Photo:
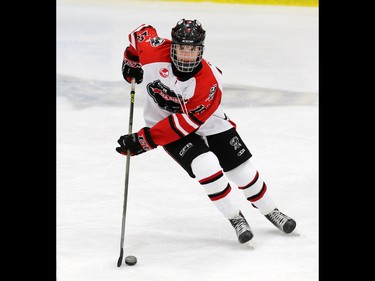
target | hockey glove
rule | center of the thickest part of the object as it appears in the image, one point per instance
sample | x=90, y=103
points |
x=137, y=143
x=131, y=67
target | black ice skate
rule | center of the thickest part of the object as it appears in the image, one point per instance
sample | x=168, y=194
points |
x=242, y=228
x=281, y=221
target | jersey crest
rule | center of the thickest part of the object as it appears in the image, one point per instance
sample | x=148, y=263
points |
x=164, y=96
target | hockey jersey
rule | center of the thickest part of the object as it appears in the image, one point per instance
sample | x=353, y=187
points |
x=174, y=106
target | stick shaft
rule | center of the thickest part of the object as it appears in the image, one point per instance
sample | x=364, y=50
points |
x=132, y=98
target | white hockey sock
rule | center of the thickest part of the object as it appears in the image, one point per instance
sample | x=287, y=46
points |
x=208, y=172
x=247, y=178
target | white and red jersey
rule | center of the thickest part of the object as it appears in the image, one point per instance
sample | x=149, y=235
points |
x=176, y=107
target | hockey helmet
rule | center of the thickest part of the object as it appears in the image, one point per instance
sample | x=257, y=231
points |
x=187, y=33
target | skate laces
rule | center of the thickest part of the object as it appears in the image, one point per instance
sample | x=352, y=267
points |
x=277, y=217
x=239, y=224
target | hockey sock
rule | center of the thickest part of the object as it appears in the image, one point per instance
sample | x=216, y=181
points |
x=208, y=172
x=247, y=178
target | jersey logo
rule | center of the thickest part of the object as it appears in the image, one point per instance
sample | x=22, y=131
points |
x=164, y=97
x=156, y=41
x=164, y=72
x=212, y=92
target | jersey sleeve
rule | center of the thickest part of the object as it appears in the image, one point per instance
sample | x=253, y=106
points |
x=205, y=101
x=143, y=43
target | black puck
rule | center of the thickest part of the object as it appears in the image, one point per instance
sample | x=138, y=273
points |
x=130, y=260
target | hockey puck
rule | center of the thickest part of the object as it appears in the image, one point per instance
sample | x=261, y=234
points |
x=130, y=260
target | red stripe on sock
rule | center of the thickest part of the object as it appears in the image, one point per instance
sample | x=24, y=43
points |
x=251, y=183
x=211, y=178
x=259, y=195
x=221, y=195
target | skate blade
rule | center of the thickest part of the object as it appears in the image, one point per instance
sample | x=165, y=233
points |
x=250, y=244
x=295, y=233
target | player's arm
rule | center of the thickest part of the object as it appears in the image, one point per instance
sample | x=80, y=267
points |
x=132, y=62
x=173, y=127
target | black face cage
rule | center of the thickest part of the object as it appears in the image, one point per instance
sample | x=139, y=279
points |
x=181, y=63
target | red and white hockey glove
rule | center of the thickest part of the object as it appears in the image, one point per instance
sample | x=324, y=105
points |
x=137, y=143
x=131, y=67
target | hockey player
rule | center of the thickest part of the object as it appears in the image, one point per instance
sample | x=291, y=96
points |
x=183, y=115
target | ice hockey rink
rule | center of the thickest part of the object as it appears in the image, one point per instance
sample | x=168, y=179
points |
x=269, y=59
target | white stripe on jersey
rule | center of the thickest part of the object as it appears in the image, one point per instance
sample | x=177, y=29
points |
x=132, y=40
x=178, y=126
x=191, y=123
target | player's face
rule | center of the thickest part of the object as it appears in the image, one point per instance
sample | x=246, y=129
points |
x=187, y=53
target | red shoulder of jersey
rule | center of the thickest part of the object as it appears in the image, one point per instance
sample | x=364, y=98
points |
x=201, y=106
x=148, y=46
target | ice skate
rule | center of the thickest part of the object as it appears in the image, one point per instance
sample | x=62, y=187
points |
x=281, y=221
x=242, y=228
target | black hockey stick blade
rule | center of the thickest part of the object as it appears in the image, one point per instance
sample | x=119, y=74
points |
x=119, y=262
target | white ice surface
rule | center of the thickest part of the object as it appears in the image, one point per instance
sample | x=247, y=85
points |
x=171, y=225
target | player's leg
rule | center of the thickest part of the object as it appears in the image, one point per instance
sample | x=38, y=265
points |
x=234, y=157
x=194, y=156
